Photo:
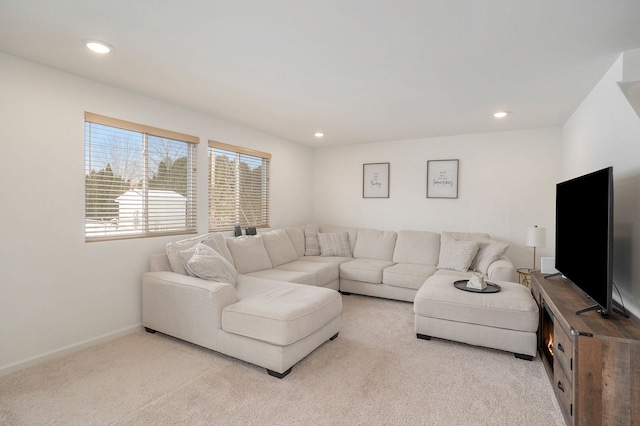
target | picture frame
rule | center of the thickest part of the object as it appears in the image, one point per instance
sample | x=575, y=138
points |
x=375, y=180
x=442, y=178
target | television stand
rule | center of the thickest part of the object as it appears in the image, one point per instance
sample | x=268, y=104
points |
x=591, y=362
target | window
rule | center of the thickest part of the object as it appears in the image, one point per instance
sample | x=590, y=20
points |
x=139, y=180
x=238, y=187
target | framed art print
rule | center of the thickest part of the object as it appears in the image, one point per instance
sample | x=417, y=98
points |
x=375, y=180
x=442, y=179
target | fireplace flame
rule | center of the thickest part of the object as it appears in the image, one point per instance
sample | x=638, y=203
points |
x=550, y=344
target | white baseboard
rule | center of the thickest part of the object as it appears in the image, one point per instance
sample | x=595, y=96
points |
x=57, y=353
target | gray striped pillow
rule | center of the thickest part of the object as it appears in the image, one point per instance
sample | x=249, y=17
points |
x=312, y=247
x=334, y=244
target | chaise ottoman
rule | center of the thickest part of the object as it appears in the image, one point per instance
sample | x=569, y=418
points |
x=506, y=320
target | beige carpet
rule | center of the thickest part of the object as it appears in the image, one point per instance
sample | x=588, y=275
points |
x=375, y=373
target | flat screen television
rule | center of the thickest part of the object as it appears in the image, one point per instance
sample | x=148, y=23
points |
x=584, y=236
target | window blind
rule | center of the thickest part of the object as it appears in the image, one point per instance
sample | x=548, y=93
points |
x=238, y=187
x=140, y=181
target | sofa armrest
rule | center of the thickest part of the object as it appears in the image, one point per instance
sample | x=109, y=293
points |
x=502, y=270
x=188, y=308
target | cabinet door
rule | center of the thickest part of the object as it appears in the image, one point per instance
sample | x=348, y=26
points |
x=606, y=381
x=563, y=351
x=564, y=393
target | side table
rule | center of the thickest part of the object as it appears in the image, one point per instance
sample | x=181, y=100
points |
x=525, y=276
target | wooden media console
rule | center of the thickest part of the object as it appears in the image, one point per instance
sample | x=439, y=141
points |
x=593, y=363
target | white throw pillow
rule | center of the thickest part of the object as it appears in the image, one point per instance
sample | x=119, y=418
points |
x=311, y=244
x=173, y=253
x=215, y=240
x=249, y=254
x=489, y=252
x=457, y=255
x=334, y=244
x=218, y=242
x=208, y=264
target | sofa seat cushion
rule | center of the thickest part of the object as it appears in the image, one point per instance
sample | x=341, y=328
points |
x=282, y=315
x=512, y=308
x=407, y=275
x=324, y=273
x=367, y=270
x=286, y=276
x=326, y=259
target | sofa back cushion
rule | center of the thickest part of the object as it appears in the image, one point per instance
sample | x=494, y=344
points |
x=296, y=235
x=249, y=253
x=279, y=247
x=374, y=244
x=466, y=236
x=417, y=247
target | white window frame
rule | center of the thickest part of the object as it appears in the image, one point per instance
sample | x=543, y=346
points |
x=142, y=210
x=240, y=195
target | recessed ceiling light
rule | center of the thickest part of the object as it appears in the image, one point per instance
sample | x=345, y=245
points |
x=500, y=114
x=318, y=134
x=98, y=46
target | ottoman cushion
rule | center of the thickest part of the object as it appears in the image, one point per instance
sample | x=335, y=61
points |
x=282, y=314
x=511, y=308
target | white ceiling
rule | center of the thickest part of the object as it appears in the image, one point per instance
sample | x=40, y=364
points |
x=358, y=70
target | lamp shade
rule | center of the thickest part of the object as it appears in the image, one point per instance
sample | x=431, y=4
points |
x=536, y=237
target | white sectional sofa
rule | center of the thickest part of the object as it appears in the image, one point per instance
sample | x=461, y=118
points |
x=271, y=299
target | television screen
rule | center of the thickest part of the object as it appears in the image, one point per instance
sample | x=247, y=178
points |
x=584, y=234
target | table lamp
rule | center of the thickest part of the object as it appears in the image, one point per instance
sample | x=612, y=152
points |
x=536, y=237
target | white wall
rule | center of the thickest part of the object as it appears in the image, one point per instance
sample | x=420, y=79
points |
x=58, y=293
x=506, y=184
x=605, y=131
